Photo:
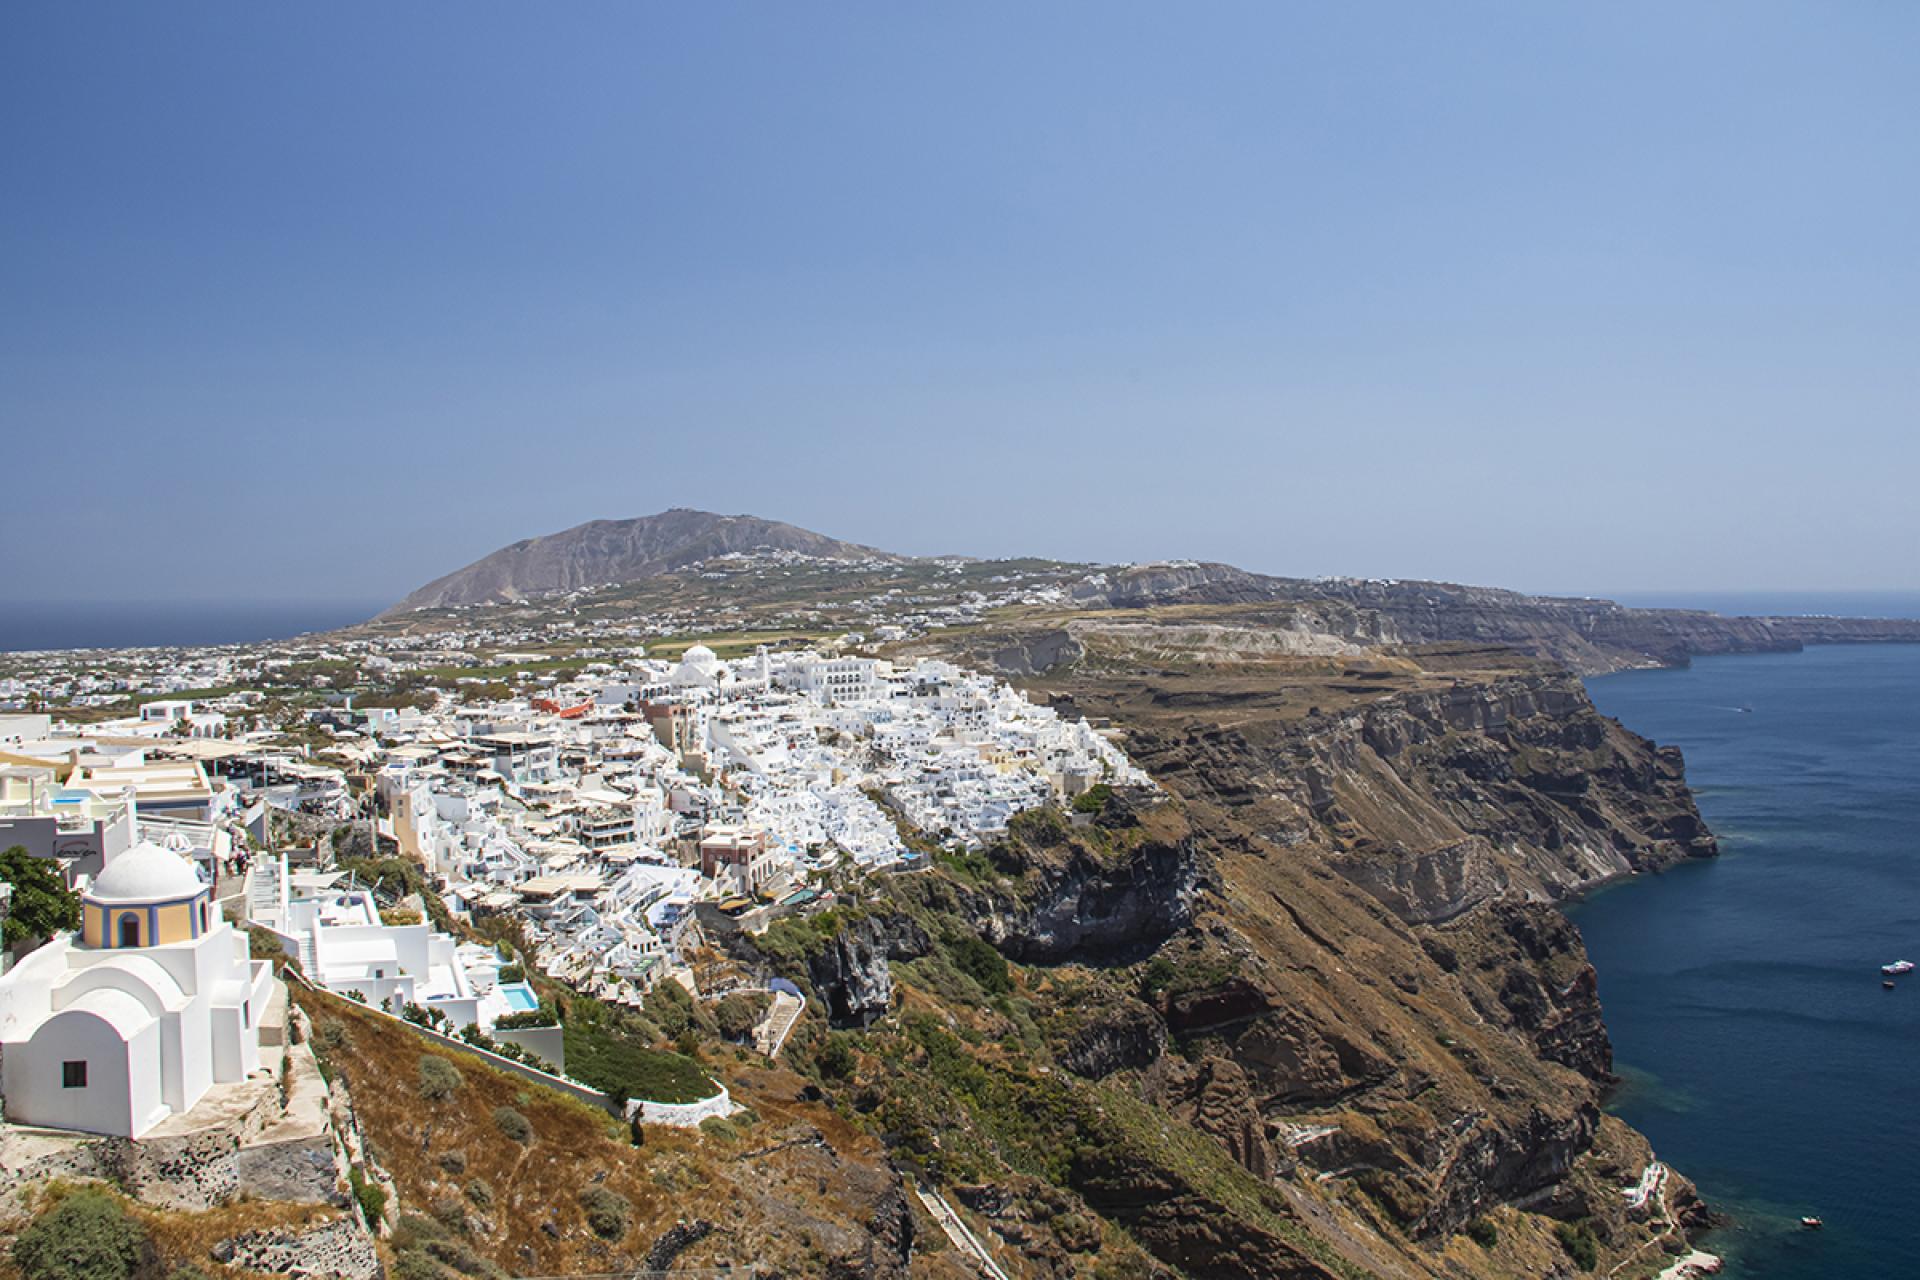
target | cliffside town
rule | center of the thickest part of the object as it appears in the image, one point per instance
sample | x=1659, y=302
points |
x=956, y=917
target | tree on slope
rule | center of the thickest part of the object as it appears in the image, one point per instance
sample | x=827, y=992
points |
x=42, y=904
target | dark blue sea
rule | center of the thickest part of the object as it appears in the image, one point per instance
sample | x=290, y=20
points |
x=1761, y=1055
x=44, y=624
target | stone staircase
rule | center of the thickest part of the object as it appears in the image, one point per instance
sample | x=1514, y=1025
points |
x=263, y=886
x=772, y=1033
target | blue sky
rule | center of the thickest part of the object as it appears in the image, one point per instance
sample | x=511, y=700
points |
x=324, y=301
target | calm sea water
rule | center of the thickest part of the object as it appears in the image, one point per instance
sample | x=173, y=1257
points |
x=41, y=624
x=1762, y=1057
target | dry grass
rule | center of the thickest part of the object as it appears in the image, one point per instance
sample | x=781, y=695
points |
x=182, y=1237
x=535, y=1224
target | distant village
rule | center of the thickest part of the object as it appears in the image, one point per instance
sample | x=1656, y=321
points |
x=620, y=808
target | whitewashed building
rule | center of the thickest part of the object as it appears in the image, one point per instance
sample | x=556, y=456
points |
x=134, y=1020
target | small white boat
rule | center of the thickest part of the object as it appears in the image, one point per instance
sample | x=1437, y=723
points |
x=1897, y=967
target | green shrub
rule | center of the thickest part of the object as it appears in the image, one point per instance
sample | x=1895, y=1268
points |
x=1042, y=826
x=511, y=973
x=796, y=938
x=606, y=1212
x=414, y=1264
x=836, y=1057
x=1093, y=799
x=669, y=1005
x=480, y=1192
x=738, y=1015
x=439, y=1079
x=87, y=1236
x=513, y=1124
x=1158, y=976
x=1483, y=1232
x=546, y=1015
x=970, y=865
x=449, y=1213
x=462, y=1259
x=720, y=1128
x=453, y=1162
x=368, y=1194
x=1578, y=1240
x=976, y=958
x=414, y=1230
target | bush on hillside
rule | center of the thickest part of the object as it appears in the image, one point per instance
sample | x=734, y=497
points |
x=368, y=1194
x=513, y=1124
x=976, y=958
x=1093, y=799
x=87, y=1236
x=836, y=1059
x=439, y=1079
x=606, y=1212
x=738, y=1015
x=669, y=1005
x=1578, y=1240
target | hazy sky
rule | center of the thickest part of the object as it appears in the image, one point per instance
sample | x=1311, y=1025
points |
x=326, y=300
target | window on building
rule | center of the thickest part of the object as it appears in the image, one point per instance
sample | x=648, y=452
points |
x=73, y=1075
x=129, y=931
x=204, y=926
x=246, y=1014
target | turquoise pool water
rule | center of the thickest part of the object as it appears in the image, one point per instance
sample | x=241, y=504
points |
x=519, y=995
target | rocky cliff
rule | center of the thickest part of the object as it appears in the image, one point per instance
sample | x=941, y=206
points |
x=1314, y=1013
x=1589, y=635
x=1380, y=978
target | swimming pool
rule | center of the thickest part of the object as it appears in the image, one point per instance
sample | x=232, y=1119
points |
x=519, y=995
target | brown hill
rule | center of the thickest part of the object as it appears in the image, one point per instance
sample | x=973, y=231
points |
x=600, y=552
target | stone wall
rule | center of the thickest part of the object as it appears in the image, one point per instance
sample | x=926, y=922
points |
x=303, y=1170
x=684, y=1115
x=340, y=1248
x=264, y=1147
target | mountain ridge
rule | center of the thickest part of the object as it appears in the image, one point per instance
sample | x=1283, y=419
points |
x=599, y=552
x=1588, y=634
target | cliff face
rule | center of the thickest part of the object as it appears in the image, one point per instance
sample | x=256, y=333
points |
x=1588, y=635
x=1309, y=1011
x=1380, y=978
x=1440, y=800
x=1100, y=892
x=852, y=972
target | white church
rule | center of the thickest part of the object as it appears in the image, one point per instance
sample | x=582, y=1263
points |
x=134, y=1020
